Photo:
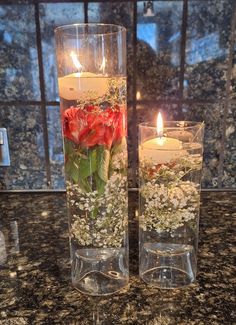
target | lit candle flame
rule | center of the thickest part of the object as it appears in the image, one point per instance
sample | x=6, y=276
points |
x=76, y=61
x=159, y=125
x=138, y=95
x=102, y=67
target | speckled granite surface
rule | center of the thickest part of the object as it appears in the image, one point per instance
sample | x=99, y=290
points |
x=208, y=35
x=35, y=277
x=19, y=75
x=229, y=168
x=26, y=145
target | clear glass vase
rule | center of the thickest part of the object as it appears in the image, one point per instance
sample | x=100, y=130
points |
x=170, y=175
x=91, y=60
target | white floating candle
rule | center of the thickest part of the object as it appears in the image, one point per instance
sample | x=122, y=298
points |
x=83, y=84
x=77, y=85
x=161, y=150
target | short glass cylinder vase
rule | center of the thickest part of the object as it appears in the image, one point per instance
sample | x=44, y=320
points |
x=169, y=178
x=91, y=61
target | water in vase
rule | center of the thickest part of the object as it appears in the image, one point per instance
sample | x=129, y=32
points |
x=93, y=115
x=169, y=208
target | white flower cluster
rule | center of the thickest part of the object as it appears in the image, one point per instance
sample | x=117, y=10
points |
x=174, y=170
x=119, y=160
x=99, y=220
x=168, y=198
x=168, y=207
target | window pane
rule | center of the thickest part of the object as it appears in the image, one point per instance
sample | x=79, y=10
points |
x=26, y=144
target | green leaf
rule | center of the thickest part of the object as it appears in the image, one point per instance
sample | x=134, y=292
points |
x=84, y=185
x=68, y=147
x=119, y=147
x=79, y=167
x=94, y=213
x=103, y=161
x=71, y=169
x=100, y=184
x=87, y=166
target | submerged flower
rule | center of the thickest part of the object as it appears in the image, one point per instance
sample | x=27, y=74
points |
x=91, y=125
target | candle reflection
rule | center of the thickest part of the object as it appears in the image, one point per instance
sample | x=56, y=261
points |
x=76, y=62
x=103, y=65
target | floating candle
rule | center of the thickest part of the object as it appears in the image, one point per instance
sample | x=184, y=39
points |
x=161, y=150
x=83, y=84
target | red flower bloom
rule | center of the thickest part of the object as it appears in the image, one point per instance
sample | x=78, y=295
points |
x=120, y=124
x=74, y=123
x=90, y=126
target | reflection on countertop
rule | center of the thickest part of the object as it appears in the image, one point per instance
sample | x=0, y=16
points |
x=35, y=271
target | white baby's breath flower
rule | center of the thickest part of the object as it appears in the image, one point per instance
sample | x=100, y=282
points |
x=102, y=218
x=168, y=201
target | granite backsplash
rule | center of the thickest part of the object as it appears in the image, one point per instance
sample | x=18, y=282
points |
x=181, y=60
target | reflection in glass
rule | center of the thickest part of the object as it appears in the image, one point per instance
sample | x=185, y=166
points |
x=25, y=135
x=204, y=49
x=148, y=33
x=158, y=50
x=148, y=10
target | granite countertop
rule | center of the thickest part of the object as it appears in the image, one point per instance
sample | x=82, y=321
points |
x=35, y=272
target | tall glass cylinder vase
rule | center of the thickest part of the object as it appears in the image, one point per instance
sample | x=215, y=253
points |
x=91, y=61
x=170, y=174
